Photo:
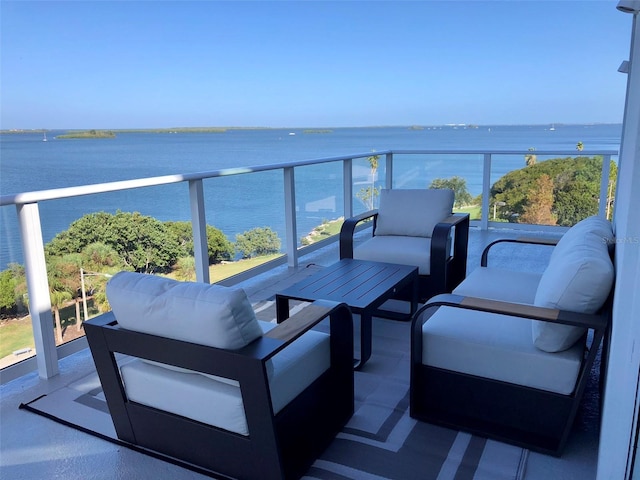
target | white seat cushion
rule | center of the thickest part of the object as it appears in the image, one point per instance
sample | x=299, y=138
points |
x=200, y=313
x=412, y=212
x=500, y=284
x=497, y=347
x=217, y=401
x=414, y=251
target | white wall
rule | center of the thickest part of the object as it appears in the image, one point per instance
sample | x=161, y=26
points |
x=617, y=437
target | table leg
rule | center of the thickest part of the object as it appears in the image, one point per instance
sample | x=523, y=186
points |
x=415, y=295
x=282, y=308
x=365, y=339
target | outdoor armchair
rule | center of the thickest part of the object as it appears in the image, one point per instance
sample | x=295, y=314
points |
x=474, y=367
x=414, y=227
x=508, y=355
x=207, y=385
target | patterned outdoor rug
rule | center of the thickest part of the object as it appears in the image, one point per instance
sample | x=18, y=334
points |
x=380, y=441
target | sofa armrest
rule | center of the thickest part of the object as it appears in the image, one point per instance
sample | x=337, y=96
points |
x=522, y=240
x=348, y=228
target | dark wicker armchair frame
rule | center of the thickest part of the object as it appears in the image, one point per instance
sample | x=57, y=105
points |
x=447, y=269
x=524, y=416
x=278, y=446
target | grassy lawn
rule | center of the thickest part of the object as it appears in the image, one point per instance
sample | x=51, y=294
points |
x=225, y=270
x=327, y=229
x=18, y=333
x=15, y=335
x=472, y=210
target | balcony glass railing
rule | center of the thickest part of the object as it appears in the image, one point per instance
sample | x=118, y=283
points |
x=290, y=199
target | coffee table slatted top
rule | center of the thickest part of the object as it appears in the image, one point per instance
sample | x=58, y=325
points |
x=360, y=284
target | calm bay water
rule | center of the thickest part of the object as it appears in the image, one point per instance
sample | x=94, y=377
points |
x=239, y=203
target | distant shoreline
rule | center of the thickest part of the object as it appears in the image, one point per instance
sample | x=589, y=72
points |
x=416, y=127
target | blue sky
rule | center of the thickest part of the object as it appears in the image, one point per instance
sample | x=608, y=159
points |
x=125, y=64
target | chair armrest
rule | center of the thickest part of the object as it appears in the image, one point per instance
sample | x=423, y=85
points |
x=449, y=275
x=295, y=326
x=441, y=232
x=348, y=228
x=523, y=240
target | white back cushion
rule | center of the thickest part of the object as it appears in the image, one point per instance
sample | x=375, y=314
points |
x=580, y=281
x=210, y=315
x=413, y=213
x=594, y=225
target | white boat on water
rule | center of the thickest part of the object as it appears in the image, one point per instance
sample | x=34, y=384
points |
x=44, y=138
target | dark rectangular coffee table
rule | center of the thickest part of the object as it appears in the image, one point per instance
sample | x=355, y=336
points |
x=361, y=284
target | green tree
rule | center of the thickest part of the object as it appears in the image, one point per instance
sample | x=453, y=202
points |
x=579, y=146
x=576, y=190
x=8, y=295
x=142, y=242
x=182, y=234
x=185, y=269
x=258, y=241
x=69, y=266
x=59, y=290
x=459, y=187
x=99, y=256
x=219, y=248
x=538, y=210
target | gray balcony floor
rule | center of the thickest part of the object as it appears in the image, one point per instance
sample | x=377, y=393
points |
x=33, y=447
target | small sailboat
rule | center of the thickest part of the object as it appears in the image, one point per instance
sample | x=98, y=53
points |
x=44, y=138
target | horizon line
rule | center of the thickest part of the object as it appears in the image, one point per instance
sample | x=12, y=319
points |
x=415, y=125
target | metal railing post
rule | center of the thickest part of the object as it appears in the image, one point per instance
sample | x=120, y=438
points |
x=486, y=189
x=199, y=227
x=347, y=187
x=38, y=287
x=388, y=178
x=291, y=230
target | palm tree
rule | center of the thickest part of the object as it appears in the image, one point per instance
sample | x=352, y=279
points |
x=367, y=194
x=531, y=158
x=64, y=278
x=58, y=299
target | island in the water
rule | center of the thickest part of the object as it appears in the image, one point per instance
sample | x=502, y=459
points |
x=88, y=134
